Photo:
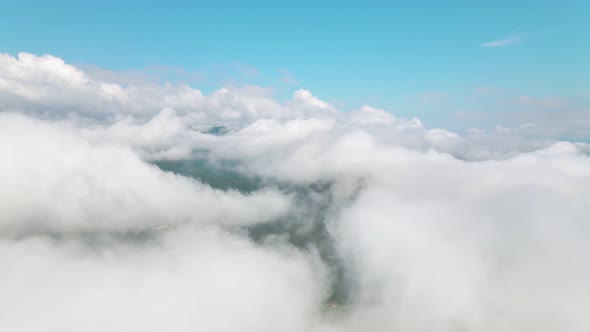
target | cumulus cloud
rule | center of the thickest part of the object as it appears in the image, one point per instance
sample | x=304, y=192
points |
x=56, y=179
x=155, y=207
x=47, y=86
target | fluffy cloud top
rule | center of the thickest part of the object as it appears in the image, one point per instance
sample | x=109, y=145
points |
x=358, y=221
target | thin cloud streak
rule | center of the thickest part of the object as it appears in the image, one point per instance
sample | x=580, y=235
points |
x=512, y=40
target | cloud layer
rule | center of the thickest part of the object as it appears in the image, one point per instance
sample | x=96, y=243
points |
x=270, y=215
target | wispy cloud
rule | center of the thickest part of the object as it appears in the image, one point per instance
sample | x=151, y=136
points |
x=510, y=40
x=287, y=77
x=548, y=102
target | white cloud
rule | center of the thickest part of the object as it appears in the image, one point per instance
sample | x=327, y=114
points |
x=475, y=131
x=368, y=115
x=420, y=228
x=55, y=179
x=303, y=99
x=204, y=280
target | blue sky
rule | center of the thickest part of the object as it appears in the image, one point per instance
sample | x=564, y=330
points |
x=414, y=58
